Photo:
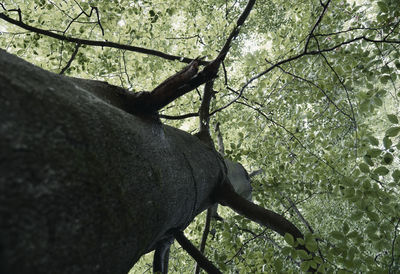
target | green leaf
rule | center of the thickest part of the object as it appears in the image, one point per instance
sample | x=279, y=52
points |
x=313, y=264
x=357, y=215
x=349, y=192
x=364, y=167
x=286, y=250
x=393, y=118
x=364, y=106
x=368, y=160
x=384, y=79
x=392, y=132
x=289, y=239
x=352, y=234
x=302, y=254
x=318, y=260
x=345, y=227
x=366, y=185
x=387, y=143
x=349, y=264
x=312, y=245
x=378, y=101
x=383, y=7
x=387, y=159
x=305, y=265
x=374, y=217
x=338, y=235
x=374, y=152
x=396, y=175
x=300, y=241
x=373, y=141
x=381, y=171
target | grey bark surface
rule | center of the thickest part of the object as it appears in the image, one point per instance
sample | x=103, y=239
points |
x=84, y=186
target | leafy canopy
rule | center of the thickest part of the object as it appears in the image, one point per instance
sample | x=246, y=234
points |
x=315, y=92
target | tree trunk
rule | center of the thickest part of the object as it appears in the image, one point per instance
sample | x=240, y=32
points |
x=86, y=187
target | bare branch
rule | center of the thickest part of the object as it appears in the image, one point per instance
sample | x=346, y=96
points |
x=99, y=43
x=343, y=85
x=244, y=244
x=316, y=24
x=206, y=231
x=301, y=217
x=225, y=74
x=239, y=95
x=320, y=89
x=164, y=93
x=88, y=15
x=393, y=245
x=196, y=255
x=17, y=10
x=180, y=117
x=392, y=30
x=126, y=71
x=236, y=29
x=70, y=59
x=345, y=31
x=298, y=56
x=293, y=136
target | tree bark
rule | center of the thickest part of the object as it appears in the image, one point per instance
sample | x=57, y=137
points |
x=86, y=187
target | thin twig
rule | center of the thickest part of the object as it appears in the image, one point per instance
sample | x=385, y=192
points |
x=293, y=136
x=70, y=59
x=319, y=88
x=87, y=15
x=126, y=71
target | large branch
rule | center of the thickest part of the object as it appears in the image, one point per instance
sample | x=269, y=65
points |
x=60, y=37
x=227, y=196
x=204, y=111
x=242, y=18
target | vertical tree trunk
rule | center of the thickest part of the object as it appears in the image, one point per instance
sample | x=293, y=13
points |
x=84, y=186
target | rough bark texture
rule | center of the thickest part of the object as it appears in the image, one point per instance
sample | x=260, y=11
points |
x=84, y=186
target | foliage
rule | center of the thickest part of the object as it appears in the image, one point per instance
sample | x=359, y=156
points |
x=318, y=111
